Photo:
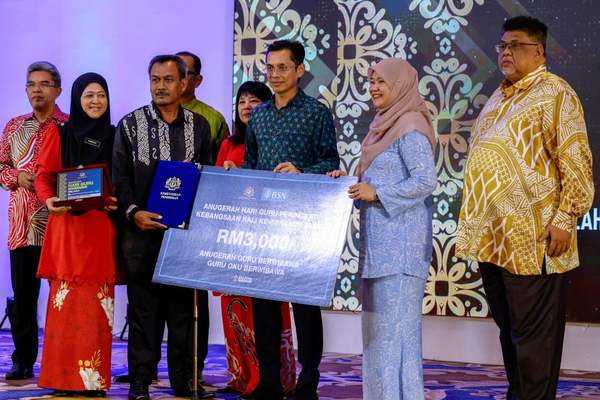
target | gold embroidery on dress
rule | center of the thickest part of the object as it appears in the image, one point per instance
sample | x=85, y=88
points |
x=107, y=303
x=60, y=296
x=88, y=371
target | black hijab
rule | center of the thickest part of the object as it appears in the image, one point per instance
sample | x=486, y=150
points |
x=84, y=140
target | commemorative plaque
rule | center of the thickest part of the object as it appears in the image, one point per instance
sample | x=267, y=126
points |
x=83, y=188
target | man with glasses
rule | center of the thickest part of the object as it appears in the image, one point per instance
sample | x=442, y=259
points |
x=218, y=127
x=27, y=215
x=292, y=133
x=527, y=179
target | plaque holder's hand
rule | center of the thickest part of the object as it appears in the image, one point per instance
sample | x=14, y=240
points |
x=54, y=210
x=111, y=204
x=146, y=221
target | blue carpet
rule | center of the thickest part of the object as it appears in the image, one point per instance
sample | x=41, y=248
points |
x=340, y=378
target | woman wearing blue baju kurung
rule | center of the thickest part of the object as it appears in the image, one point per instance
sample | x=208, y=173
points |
x=397, y=176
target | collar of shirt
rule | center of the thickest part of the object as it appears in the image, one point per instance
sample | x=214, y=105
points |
x=56, y=116
x=155, y=114
x=508, y=88
x=296, y=101
x=193, y=103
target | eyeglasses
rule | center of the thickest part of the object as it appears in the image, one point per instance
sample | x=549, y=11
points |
x=280, y=69
x=512, y=46
x=42, y=85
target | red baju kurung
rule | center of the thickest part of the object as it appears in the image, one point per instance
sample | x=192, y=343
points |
x=79, y=259
x=230, y=151
x=238, y=323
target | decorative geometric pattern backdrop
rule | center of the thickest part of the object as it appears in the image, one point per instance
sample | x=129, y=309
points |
x=450, y=42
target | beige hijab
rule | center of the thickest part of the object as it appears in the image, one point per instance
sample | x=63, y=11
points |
x=405, y=112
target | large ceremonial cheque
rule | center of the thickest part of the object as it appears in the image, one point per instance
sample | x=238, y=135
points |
x=261, y=234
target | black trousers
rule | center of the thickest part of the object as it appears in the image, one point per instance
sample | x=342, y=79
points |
x=203, y=330
x=267, y=331
x=531, y=314
x=23, y=319
x=150, y=306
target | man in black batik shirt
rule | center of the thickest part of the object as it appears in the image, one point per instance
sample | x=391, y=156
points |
x=162, y=130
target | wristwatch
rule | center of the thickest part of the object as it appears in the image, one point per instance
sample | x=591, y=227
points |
x=131, y=211
x=376, y=200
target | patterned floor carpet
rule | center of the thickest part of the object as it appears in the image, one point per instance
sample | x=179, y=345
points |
x=341, y=379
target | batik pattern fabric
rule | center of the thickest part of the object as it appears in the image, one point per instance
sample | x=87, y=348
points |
x=19, y=152
x=302, y=132
x=395, y=243
x=396, y=231
x=143, y=138
x=529, y=165
x=78, y=337
x=391, y=327
x=240, y=345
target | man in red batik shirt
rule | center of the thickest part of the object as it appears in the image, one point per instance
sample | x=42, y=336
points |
x=27, y=216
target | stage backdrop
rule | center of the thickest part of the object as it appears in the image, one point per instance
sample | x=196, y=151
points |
x=450, y=42
x=116, y=38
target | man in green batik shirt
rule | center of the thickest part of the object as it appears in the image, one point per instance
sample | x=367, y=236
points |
x=218, y=127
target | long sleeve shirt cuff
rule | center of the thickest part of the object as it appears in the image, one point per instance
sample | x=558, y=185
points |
x=9, y=178
x=564, y=220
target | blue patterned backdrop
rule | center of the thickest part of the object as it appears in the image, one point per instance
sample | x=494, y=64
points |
x=450, y=42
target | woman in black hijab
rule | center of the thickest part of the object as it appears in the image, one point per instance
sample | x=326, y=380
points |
x=88, y=136
x=78, y=255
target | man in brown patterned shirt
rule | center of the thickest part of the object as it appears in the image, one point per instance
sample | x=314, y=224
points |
x=527, y=179
x=27, y=216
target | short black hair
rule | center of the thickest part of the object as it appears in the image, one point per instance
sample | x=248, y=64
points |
x=293, y=46
x=163, y=58
x=532, y=26
x=197, y=62
x=47, y=67
x=258, y=89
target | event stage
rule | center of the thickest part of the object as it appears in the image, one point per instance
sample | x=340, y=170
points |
x=340, y=378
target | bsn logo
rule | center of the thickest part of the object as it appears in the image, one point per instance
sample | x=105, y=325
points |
x=274, y=194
